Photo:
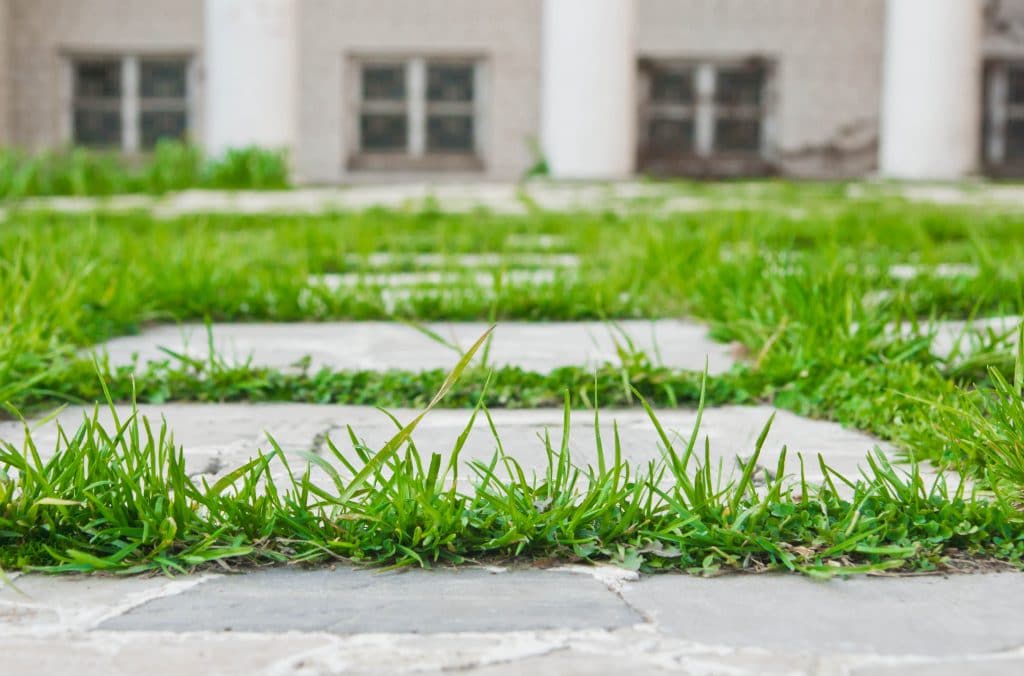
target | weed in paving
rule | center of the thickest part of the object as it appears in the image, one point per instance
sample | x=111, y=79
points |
x=119, y=499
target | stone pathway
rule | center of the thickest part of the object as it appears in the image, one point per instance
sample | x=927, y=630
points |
x=486, y=620
x=512, y=198
x=495, y=621
x=389, y=345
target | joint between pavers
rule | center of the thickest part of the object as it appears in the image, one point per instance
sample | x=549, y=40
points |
x=172, y=588
x=614, y=580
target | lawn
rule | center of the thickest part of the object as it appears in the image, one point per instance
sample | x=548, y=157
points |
x=802, y=279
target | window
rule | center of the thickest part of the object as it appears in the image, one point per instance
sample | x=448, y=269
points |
x=702, y=117
x=97, y=114
x=418, y=113
x=163, y=105
x=1003, y=136
x=129, y=103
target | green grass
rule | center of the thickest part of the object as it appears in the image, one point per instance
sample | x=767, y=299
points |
x=805, y=292
x=171, y=166
x=119, y=499
x=803, y=295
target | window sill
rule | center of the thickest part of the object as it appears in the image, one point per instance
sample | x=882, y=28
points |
x=718, y=166
x=453, y=162
x=1010, y=169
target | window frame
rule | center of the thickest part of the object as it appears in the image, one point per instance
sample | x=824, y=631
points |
x=997, y=113
x=706, y=159
x=418, y=109
x=132, y=103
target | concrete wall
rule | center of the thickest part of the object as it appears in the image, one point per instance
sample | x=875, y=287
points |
x=1004, y=29
x=506, y=33
x=4, y=74
x=42, y=31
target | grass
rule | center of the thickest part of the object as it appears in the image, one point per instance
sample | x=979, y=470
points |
x=119, y=499
x=171, y=166
x=808, y=297
x=803, y=288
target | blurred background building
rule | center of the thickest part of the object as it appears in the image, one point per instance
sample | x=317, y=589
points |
x=604, y=89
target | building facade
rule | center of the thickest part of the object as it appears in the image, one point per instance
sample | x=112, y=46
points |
x=382, y=89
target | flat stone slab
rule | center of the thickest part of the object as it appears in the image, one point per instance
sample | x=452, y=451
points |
x=451, y=196
x=349, y=601
x=219, y=437
x=534, y=346
x=964, y=336
x=497, y=622
x=382, y=259
x=433, y=278
x=938, y=616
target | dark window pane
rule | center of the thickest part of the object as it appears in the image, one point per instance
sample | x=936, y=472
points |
x=384, y=83
x=98, y=79
x=447, y=82
x=158, y=125
x=737, y=135
x=672, y=86
x=450, y=133
x=98, y=128
x=1015, y=140
x=162, y=79
x=383, y=132
x=739, y=86
x=670, y=137
x=1015, y=88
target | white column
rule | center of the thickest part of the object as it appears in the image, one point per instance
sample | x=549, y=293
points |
x=588, y=88
x=931, y=89
x=250, y=74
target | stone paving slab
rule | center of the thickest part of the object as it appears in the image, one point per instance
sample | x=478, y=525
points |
x=432, y=278
x=476, y=260
x=468, y=194
x=392, y=345
x=219, y=437
x=452, y=196
x=740, y=625
x=348, y=601
x=930, y=615
x=962, y=336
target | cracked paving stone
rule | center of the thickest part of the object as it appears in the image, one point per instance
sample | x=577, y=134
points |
x=41, y=604
x=348, y=601
x=929, y=615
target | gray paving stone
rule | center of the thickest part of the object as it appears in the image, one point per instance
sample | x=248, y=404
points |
x=999, y=666
x=476, y=260
x=907, y=271
x=118, y=654
x=483, y=279
x=510, y=198
x=963, y=337
x=219, y=437
x=297, y=621
x=391, y=345
x=351, y=601
x=935, y=616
